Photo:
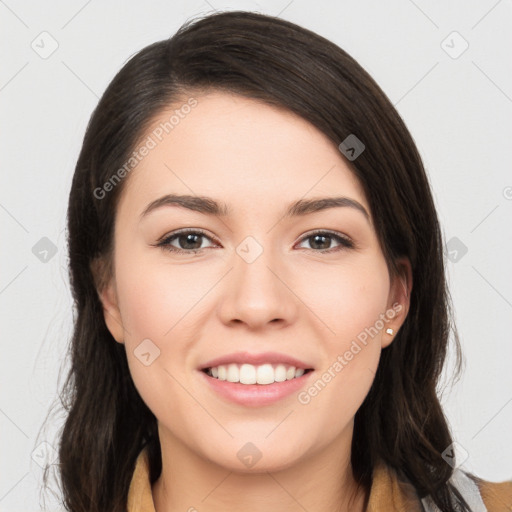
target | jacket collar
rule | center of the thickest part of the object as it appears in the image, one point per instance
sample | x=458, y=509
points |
x=387, y=491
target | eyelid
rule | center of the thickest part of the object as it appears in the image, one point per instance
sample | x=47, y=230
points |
x=172, y=234
x=327, y=232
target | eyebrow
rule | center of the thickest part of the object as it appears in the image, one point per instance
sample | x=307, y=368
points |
x=209, y=206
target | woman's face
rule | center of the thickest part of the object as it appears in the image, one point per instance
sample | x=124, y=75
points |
x=262, y=284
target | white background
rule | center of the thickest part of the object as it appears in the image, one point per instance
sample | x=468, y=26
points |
x=457, y=109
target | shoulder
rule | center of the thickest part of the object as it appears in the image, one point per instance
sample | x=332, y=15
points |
x=480, y=495
x=497, y=496
x=390, y=492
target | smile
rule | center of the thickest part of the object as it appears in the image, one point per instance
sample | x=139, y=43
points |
x=255, y=394
x=250, y=374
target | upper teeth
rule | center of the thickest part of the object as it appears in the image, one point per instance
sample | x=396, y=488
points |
x=250, y=374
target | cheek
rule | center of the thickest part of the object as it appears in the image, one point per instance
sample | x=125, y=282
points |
x=159, y=304
x=347, y=298
x=157, y=298
x=351, y=301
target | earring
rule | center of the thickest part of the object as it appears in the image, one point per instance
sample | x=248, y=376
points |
x=390, y=331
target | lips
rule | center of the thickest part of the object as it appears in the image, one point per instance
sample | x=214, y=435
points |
x=256, y=360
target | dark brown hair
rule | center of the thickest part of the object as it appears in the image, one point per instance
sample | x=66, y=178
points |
x=401, y=420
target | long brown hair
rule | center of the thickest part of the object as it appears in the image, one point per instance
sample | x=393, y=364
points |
x=401, y=420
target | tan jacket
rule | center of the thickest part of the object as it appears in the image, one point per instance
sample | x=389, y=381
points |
x=387, y=494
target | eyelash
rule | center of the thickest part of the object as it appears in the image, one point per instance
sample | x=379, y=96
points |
x=164, y=243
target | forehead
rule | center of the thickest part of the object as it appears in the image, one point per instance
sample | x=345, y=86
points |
x=243, y=151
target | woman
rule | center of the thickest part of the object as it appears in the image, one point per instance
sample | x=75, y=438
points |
x=257, y=267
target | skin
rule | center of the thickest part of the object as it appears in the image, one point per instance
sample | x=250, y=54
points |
x=292, y=299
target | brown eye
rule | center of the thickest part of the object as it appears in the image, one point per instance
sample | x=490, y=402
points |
x=191, y=241
x=321, y=241
x=186, y=241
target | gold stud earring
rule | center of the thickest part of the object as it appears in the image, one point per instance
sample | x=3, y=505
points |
x=390, y=331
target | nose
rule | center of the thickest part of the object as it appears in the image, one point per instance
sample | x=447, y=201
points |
x=258, y=291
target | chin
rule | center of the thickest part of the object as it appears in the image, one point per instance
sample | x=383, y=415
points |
x=254, y=457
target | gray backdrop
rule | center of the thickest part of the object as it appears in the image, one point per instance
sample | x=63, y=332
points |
x=444, y=66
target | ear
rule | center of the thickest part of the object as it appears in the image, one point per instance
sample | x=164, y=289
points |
x=106, y=288
x=399, y=300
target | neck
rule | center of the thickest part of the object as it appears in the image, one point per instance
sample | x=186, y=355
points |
x=320, y=482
